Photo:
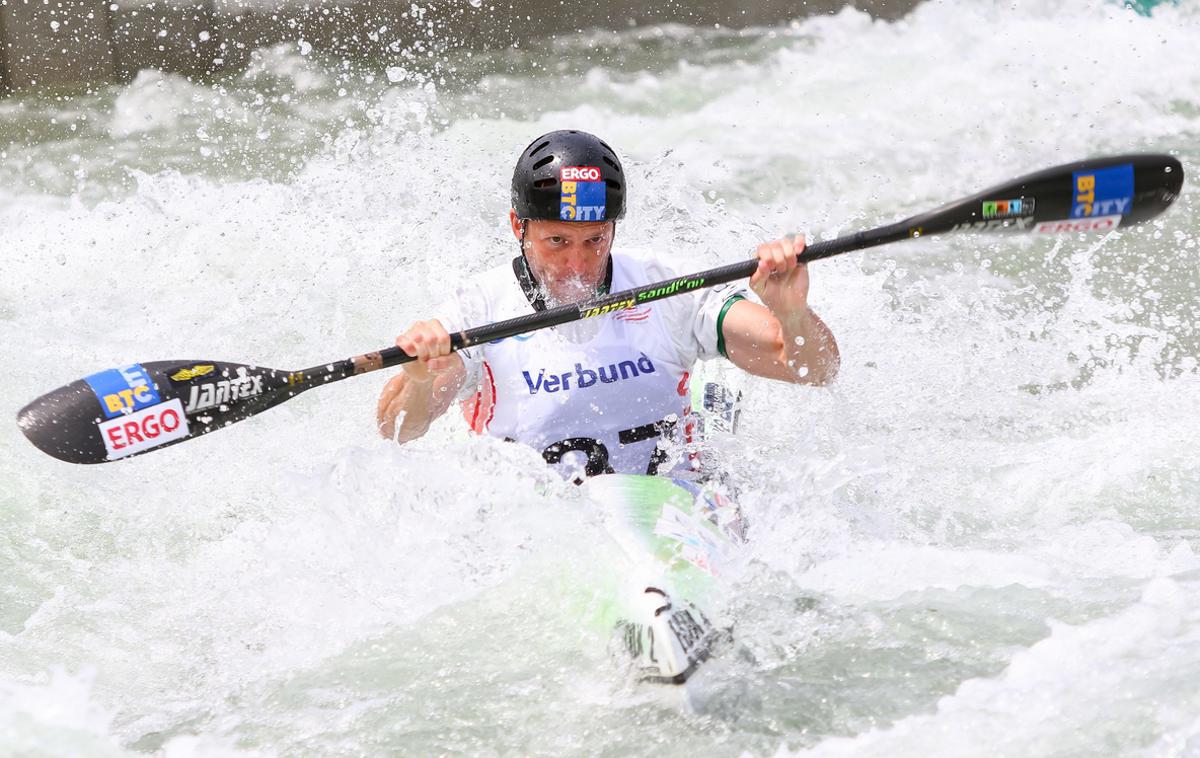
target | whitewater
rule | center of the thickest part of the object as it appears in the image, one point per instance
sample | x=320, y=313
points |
x=981, y=540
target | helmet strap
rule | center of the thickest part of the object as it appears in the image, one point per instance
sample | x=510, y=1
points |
x=533, y=293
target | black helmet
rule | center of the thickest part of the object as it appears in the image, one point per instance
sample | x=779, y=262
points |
x=569, y=176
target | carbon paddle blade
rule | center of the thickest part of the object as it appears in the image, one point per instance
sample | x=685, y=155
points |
x=127, y=411
x=1095, y=195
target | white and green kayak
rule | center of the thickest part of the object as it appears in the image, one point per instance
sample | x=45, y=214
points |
x=675, y=537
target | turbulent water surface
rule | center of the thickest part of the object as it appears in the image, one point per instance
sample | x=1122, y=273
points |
x=981, y=540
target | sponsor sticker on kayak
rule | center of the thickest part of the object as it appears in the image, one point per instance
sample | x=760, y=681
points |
x=696, y=545
x=123, y=390
x=582, y=195
x=144, y=429
x=1104, y=192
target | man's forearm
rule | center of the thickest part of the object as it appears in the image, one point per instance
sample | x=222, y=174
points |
x=416, y=412
x=810, y=350
x=415, y=405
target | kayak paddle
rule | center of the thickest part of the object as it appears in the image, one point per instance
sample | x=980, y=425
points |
x=126, y=411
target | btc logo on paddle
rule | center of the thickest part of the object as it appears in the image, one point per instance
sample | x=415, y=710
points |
x=123, y=390
x=1103, y=192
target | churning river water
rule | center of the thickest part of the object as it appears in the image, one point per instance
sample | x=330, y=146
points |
x=981, y=540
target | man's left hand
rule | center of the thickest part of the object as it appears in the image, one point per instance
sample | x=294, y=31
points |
x=780, y=281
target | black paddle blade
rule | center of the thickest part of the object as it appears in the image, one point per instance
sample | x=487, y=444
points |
x=1088, y=196
x=127, y=411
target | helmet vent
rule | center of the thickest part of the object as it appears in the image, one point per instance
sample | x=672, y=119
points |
x=543, y=162
x=544, y=183
x=613, y=183
x=615, y=166
x=539, y=148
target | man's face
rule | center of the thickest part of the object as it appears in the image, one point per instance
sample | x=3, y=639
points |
x=568, y=259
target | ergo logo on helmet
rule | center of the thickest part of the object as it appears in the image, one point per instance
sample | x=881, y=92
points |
x=582, y=195
x=580, y=174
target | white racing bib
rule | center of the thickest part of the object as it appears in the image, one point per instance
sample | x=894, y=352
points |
x=604, y=404
x=602, y=395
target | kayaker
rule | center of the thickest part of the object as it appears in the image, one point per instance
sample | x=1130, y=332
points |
x=610, y=393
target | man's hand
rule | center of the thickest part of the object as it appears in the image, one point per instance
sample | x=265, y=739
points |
x=428, y=342
x=425, y=387
x=785, y=340
x=780, y=281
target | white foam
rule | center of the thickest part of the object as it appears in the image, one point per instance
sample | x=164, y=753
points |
x=59, y=713
x=286, y=63
x=1130, y=667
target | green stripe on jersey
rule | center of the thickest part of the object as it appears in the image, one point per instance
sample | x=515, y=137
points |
x=721, y=323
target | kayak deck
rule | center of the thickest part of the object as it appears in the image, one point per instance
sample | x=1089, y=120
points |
x=676, y=537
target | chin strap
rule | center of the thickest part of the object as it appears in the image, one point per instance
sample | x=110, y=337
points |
x=533, y=293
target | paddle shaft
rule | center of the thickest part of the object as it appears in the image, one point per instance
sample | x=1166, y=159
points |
x=1062, y=199
x=616, y=301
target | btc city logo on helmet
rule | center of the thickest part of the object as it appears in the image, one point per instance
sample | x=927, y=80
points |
x=582, y=197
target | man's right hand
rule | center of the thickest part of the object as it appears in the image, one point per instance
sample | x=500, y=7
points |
x=425, y=387
x=429, y=343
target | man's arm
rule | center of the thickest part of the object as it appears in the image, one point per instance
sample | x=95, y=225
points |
x=424, y=389
x=784, y=340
